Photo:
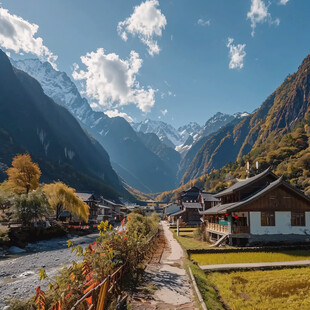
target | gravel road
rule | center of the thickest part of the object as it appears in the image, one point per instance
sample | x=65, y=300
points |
x=19, y=275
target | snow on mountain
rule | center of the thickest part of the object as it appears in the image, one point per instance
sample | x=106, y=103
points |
x=115, y=134
x=165, y=132
x=57, y=85
x=183, y=138
x=212, y=125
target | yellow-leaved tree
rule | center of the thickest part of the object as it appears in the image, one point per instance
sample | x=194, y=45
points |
x=62, y=197
x=24, y=174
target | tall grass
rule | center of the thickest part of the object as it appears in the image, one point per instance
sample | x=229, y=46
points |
x=264, y=290
x=250, y=257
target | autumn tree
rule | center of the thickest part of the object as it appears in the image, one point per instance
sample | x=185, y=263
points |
x=62, y=197
x=24, y=174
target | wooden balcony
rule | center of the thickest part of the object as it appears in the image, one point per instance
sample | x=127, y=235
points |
x=224, y=228
x=241, y=230
x=217, y=227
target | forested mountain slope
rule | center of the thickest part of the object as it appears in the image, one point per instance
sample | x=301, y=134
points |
x=32, y=122
x=280, y=112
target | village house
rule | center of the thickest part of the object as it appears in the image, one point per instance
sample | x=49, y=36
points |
x=190, y=203
x=208, y=200
x=109, y=210
x=92, y=202
x=260, y=209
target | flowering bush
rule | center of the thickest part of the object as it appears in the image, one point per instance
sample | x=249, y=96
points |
x=112, y=249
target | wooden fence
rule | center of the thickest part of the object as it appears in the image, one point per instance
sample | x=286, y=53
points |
x=98, y=297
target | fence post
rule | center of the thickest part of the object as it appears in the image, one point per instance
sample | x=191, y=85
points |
x=103, y=295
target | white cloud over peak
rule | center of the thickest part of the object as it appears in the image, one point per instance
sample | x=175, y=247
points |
x=115, y=113
x=164, y=112
x=18, y=35
x=283, y=2
x=259, y=14
x=203, y=22
x=111, y=81
x=236, y=54
x=147, y=21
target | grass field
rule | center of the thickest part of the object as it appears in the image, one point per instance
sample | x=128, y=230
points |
x=187, y=239
x=262, y=290
x=206, y=287
x=250, y=257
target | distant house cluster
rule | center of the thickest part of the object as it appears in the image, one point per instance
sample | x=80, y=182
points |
x=259, y=209
x=100, y=209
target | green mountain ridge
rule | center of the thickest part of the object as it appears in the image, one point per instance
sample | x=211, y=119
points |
x=278, y=114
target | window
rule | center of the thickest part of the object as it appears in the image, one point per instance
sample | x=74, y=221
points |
x=267, y=219
x=298, y=219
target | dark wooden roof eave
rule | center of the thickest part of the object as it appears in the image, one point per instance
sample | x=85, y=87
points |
x=263, y=192
x=246, y=183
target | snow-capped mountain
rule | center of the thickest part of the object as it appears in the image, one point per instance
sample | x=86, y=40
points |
x=165, y=132
x=129, y=155
x=56, y=85
x=183, y=138
x=212, y=125
x=189, y=130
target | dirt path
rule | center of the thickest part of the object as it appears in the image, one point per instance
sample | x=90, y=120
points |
x=168, y=279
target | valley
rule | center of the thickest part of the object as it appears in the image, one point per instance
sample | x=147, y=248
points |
x=154, y=155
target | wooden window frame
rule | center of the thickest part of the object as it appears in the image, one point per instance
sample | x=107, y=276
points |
x=298, y=219
x=268, y=219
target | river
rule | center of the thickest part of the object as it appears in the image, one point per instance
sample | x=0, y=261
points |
x=19, y=275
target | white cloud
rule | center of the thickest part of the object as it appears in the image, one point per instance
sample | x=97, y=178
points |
x=236, y=54
x=203, y=22
x=283, y=2
x=115, y=113
x=18, y=35
x=111, y=81
x=259, y=14
x=164, y=112
x=147, y=21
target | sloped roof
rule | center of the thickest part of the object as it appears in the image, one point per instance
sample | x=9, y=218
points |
x=65, y=214
x=177, y=213
x=84, y=196
x=112, y=203
x=245, y=182
x=217, y=209
x=229, y=207
x=192, y=205
x=208, y=197
x=172, y=209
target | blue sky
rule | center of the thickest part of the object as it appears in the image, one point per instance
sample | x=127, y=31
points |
x=191, y=77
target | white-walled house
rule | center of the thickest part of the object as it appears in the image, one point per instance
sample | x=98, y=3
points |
x=260, y=209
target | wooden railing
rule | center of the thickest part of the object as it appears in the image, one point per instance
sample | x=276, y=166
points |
x=217, y=227
x=111, y=285
x=224, y=228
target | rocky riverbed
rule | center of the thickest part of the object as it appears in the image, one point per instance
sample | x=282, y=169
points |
x=19, y=274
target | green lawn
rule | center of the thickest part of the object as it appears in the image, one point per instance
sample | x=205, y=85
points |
x=188, y=241
x=206, y=287
x=250, y=257
x=264, y=290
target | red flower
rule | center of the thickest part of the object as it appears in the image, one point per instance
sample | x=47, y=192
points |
x=94, y=243
x=68, y=295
